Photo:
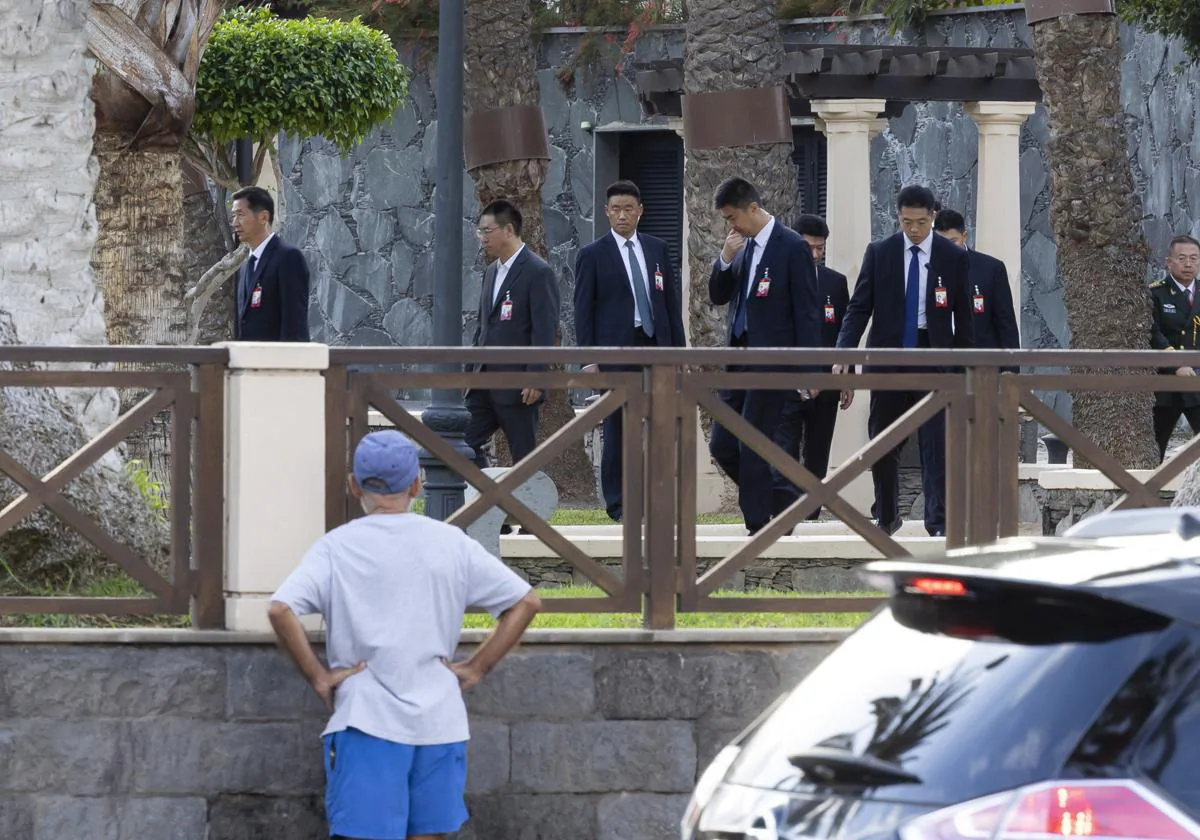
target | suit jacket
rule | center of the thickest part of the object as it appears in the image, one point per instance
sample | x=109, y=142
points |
x=604, y=306
x=281, y=313
x=1175, y=326
x=879, y=296
x=835, y=292
x=996, y=326
x=532, y=289
x=788, y=313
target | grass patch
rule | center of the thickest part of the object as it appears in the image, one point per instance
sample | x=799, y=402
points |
x=706, y=621
x=114, y=585
x=597, y=516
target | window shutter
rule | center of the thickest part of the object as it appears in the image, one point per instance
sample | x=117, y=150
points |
x=654, y=161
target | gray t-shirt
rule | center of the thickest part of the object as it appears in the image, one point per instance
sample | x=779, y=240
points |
x=393, y=589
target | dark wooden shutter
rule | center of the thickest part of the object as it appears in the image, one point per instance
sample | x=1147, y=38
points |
x=811, y=169
x=654, y=161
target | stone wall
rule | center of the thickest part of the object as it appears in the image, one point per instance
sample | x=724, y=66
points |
x=367, y=226
x=168, y=737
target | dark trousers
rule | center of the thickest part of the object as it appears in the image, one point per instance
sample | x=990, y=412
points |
x=805, y=427
x=516, y=420
x=886, y=408
x=1166, y=417
x=751, y=474
x=612, y=476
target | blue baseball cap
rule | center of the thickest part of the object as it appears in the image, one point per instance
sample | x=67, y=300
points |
x=386, y=463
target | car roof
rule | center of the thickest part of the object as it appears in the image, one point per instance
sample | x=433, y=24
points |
x=1157, y=572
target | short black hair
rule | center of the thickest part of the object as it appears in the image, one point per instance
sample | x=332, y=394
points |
x=258, y=200
x=917, y=197
x=505, y=213
x=623, y=187
x=809, y=224
x=736, y=192
x=950, y=220
x=1183, y=240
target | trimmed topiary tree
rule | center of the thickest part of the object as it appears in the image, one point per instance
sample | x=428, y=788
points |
x=264, y=75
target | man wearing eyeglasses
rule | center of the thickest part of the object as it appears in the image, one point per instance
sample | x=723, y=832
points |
x=1176, y=322
x=913, y=288
x=518, y=307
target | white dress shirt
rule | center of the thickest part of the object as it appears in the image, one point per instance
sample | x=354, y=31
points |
x=760, y=242
x=923, y=284
x=502, y=272
x=1185, y=289
x=258, y=252
x=641, y=258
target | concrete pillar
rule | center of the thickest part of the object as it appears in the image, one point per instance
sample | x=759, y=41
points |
x=848, y=126
x=998, y=197
x=275, y=470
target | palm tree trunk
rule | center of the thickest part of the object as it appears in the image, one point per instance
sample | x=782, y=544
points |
x=1095, y=213
x=501, y=70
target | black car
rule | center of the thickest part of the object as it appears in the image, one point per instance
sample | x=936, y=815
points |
x=1030, y=689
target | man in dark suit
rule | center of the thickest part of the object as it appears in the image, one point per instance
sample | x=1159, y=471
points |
x=625, y=296
x=913, y=288
x=1174, y=327
x=812, y=420
x=518, y=307
x=993, y=318
x=766, y=274
x=272, y=290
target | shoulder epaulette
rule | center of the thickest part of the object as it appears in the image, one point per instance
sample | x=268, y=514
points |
x=1158, y=283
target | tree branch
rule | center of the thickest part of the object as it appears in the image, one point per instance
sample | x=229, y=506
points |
x=200, y=294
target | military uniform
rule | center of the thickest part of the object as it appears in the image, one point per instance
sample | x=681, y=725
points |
x=1176, y=326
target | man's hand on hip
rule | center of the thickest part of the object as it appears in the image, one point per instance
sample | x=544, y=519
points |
x=326, y=682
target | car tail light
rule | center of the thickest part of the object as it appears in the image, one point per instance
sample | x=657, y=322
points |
x=1100, y=809
x=945, y=587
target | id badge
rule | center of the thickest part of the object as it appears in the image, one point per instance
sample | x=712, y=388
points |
x=764, y=284
x=658, y=279
x=256, y=298
x=978, y=302
x=506, y=310
x=829, y=314
x=940, y=299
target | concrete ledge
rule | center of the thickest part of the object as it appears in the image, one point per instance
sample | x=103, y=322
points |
x=177, y=636
x=1072, y=479
x=833, y=547
x=1033, y=472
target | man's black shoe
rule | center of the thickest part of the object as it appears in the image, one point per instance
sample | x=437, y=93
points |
x=889, y=529
x=505, y=529
x=937, y=532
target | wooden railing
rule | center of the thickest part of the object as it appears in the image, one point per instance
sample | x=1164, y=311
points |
x=186, y=387
x=662, y=402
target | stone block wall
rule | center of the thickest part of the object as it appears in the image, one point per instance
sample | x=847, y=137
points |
x=366, y=221
x=171, y=739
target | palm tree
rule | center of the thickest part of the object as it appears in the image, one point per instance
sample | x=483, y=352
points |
x=501, y=70
x=149, y=53
x=1095, y=213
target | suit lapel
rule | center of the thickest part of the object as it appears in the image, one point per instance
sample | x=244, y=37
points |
x=268, y=256
x=509, y=278
x=619, y=272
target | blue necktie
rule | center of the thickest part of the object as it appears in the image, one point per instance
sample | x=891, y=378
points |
x=739, y=317
x=640, y=298
x=912, y=295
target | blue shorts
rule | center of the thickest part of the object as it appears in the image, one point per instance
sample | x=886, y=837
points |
x=381, y=790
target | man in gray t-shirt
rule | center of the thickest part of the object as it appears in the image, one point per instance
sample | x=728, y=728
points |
x=392, y=587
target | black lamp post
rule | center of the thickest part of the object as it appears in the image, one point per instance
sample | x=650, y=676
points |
x=446, y=414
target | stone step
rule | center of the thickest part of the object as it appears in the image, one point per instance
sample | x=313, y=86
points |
x=909, y=528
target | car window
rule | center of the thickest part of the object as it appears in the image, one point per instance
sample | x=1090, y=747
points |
x=967, y=717
x=1171, y=755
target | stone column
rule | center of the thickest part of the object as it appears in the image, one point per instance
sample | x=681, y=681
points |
x=848, y=126
x=275, y=470
x=998, y=197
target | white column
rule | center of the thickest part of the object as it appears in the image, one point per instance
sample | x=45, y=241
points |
x=998, y=197
x=275, y=470
x=848, y=126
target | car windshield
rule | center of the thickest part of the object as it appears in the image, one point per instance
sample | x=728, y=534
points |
x=966, y=717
